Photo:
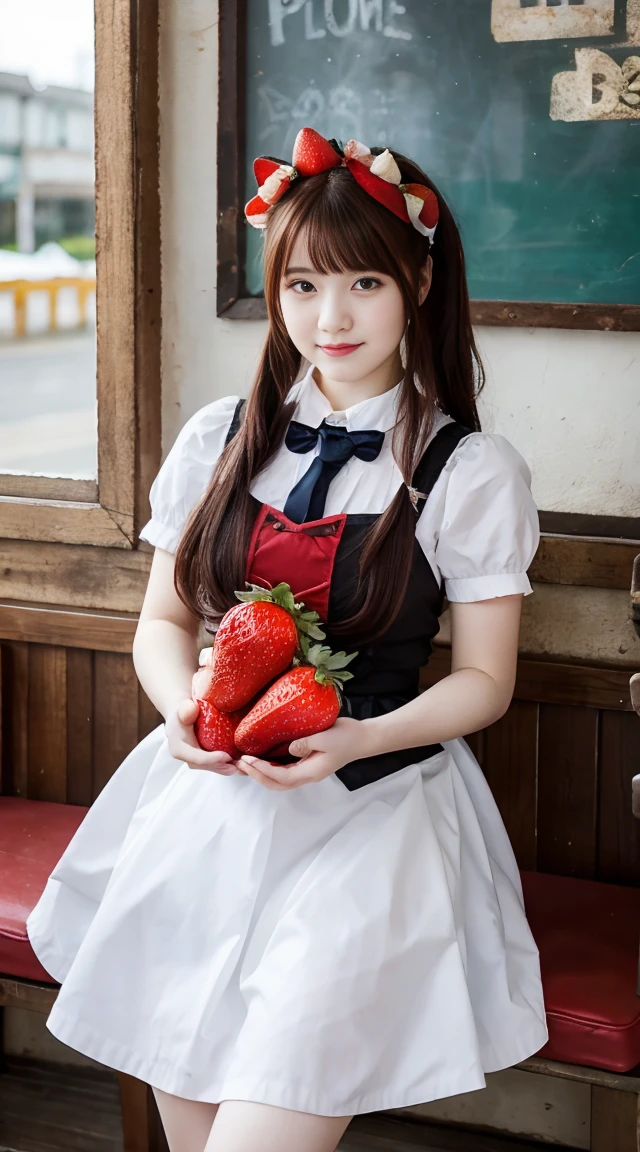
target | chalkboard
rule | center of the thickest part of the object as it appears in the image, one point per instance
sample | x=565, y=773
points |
x=526, y=113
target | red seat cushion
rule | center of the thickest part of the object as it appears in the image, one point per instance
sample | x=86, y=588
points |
x=588, y=935
x=33, y=836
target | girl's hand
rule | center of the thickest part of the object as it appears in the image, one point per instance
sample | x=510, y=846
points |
x=321, y=755
x=184, y=746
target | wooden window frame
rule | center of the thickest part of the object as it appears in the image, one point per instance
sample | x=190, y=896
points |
x=233, y=300
x=110, y=512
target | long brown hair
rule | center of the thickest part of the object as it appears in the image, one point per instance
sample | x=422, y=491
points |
x=345, y=230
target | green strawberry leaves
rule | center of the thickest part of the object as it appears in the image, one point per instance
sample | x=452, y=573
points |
x=330, y=665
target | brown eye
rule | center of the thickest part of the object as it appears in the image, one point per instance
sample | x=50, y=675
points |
x=303, y=287
x=366, y=283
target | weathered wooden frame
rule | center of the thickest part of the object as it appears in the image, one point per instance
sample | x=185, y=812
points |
x=233, y=301
x=110, y=512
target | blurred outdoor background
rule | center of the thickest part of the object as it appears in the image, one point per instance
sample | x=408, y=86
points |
x=47, y=246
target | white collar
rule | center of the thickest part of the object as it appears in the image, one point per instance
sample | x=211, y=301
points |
x=379, y=412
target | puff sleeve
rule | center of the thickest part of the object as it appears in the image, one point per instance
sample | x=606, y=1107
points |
x=479, y=529
x=186, y=472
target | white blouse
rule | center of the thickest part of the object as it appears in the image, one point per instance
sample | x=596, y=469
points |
x=479, y=528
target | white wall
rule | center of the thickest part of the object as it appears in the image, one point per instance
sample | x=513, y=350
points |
x=570, y=401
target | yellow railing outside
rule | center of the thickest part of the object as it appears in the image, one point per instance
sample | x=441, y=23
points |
x=21, y=290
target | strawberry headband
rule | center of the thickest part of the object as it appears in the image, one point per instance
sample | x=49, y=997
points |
x=378, y=175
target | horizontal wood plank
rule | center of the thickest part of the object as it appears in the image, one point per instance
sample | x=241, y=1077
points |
x=64, y=522
x=115, y=578
x=533, y=314
x=80, y=576
x=550, y=683
x=49, y=487
x=26, y=994
x=99, y=631
x=586, y=561
x=49, y=1108
x=620, y=1081
x=378, y=1132
x=502, y=314
x=544, y=682
x=589, y=525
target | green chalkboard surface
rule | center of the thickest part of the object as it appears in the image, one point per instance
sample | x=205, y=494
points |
x=529, y=122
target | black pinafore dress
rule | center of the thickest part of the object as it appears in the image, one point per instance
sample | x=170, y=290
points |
x=319, y=560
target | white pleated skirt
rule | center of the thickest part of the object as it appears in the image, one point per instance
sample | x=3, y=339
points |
x=320, y=950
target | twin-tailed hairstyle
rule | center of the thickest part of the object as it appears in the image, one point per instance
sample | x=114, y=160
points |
x=345, y=230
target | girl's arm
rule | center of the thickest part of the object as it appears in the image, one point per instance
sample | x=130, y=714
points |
x=165, y=655
x=484, y=654
x=478, y=692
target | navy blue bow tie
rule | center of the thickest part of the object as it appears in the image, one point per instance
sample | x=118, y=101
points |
x=306, y=501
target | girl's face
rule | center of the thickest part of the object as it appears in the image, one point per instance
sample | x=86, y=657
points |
x=347, y=324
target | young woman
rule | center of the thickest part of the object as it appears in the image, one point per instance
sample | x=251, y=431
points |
x=274, y=948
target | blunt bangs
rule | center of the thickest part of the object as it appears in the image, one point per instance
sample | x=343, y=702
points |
x=345, y=230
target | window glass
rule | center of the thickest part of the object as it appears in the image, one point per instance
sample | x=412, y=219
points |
x=47, y=246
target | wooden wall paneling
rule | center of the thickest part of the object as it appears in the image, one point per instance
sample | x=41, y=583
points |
x=143, y=1129
x=511, y=769
x=15, y=702
x=47, y=723
x=618, y=832
x=115, y=724
x=615, y=1123
x=80, y=717
x=148, y=715
x=476, y=742
x=567, y=790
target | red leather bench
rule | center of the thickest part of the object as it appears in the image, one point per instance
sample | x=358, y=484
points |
x=587, y=934
x=33, y=836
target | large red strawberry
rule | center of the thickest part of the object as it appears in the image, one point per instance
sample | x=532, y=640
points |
x=313, y=154
x=215, y=730
x=303, y=701
x=255, y=642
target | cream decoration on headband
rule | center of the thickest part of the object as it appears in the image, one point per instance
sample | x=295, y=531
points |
x=379, y=176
